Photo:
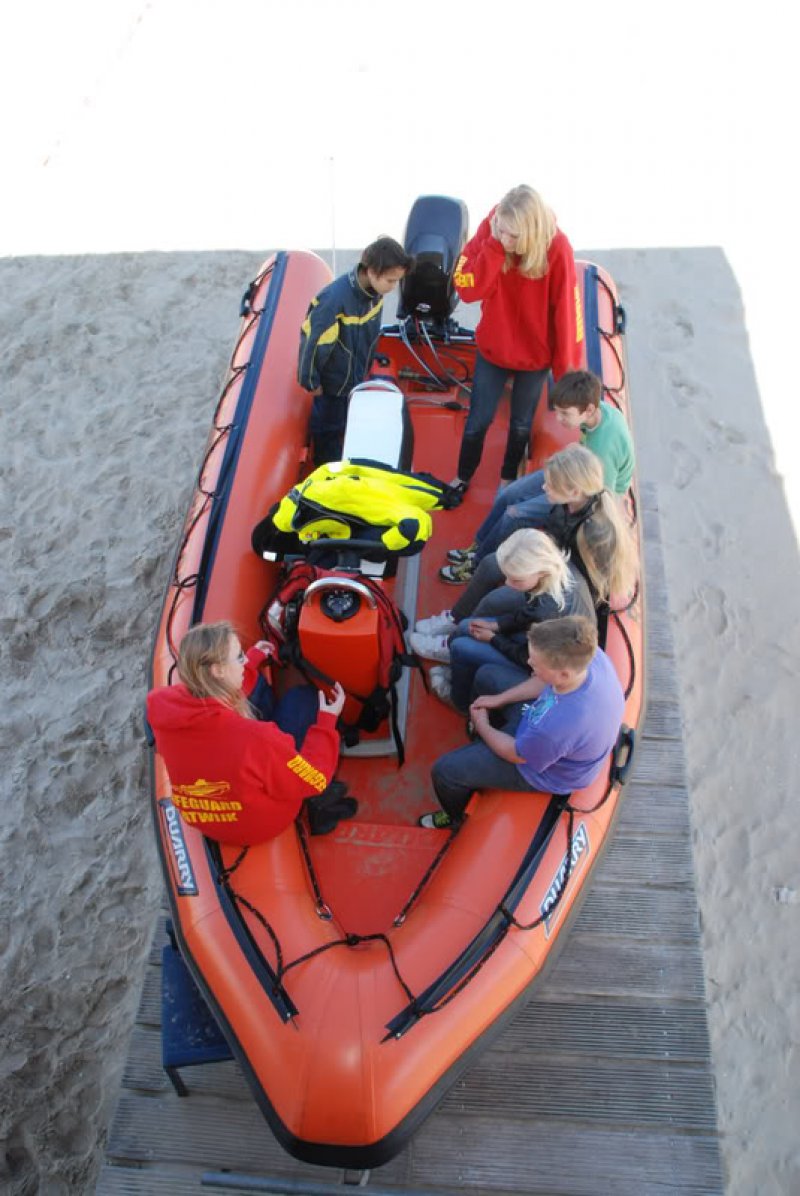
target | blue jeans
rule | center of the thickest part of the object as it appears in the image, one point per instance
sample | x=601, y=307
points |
x=486, y=578
x=487, y=387
x=531, y=507
x=459, y=773
x=295, y=712
x=327, y=425
x=470, y=657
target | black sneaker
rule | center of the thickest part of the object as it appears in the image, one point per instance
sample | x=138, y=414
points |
x=458, y=556
x=324, y=817
x=457, y=575
x=343, y=808
x=334, y=791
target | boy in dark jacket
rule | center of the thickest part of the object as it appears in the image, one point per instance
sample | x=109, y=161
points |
x=338, y=339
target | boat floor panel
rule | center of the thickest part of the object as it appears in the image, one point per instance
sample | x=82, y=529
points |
x=364, y=867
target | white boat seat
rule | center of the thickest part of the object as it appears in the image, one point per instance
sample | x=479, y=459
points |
x=377, y=423
x=378, y=429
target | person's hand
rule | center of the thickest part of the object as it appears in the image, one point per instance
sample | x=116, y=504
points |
x=508, y=240
x=479, y=716
x=482, y=630
x=486, y=702
x=333, y=703
x=266, y=647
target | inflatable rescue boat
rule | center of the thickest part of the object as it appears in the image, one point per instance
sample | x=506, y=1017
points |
x=356, y=975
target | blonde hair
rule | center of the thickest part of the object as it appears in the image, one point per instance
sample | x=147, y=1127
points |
x=203, y=646
x=536, y=227
x=532, y=551
x=607, y=548
x=604, y=540
x=575, y=468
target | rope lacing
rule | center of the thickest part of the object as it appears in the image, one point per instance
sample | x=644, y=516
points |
x=401, y=917
x=323, y=911
x=217, y=436
x=610, y=337
x=353, y=940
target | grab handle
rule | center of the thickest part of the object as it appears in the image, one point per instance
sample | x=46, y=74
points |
x=341, y=583
x=622, y=758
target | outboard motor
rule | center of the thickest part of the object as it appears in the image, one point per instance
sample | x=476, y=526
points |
x=435, y=235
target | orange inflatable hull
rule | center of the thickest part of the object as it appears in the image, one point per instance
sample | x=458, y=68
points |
x=351, y=1000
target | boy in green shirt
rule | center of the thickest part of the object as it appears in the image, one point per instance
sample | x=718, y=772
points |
x=577, y=403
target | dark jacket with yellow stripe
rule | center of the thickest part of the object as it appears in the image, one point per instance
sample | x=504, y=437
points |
x=338, y=336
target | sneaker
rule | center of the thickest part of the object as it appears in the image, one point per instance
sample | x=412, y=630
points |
x=334, y=792
x=430, y=647
x=323, y=819
x=344, y=808
x=457, y=556
x=440, y=678
x=457, y=575
x=441, y=624
x=438, y=821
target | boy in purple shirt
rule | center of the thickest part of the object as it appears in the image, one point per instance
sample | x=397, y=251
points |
x=555, y=743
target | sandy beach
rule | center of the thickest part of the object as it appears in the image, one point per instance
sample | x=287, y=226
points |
x=117, y=316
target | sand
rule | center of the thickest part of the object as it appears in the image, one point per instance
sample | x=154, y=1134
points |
x=103, y=436
x=141, y=126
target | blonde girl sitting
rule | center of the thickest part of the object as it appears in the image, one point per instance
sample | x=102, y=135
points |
x=582, y=517
x=540, y=582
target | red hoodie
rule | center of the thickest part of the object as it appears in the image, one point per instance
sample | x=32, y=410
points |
x=237, y=779
x=526, y=323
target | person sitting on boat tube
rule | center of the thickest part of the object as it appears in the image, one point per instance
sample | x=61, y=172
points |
x=338, y=339
x=537, y=581
x=555, y=743
x=522, y=268
x=577, y=403
x=579, y=514
x=240, y=762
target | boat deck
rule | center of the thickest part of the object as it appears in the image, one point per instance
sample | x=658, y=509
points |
x=602, y=1084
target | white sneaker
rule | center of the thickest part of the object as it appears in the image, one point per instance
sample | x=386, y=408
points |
x=440, y=679
x=431, y=647
x=441, y=624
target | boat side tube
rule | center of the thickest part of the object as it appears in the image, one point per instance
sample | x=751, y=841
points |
x=238, y=429
x=267, y=976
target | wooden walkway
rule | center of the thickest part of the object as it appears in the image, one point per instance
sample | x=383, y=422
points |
x=603, y=1084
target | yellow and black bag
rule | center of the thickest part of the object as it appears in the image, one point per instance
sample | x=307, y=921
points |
x=355, y=500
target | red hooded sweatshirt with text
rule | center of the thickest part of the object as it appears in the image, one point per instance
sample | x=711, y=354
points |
x=236, y=779
x=526, y=323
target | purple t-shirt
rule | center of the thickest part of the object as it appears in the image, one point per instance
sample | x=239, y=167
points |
x=564, y=738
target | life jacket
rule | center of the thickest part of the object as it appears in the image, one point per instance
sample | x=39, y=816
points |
x=359, y=500
x=339, y=626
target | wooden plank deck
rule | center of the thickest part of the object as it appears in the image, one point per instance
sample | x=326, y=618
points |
x=603, y=1084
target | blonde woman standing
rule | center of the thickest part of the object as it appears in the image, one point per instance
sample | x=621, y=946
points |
x=521, y=266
